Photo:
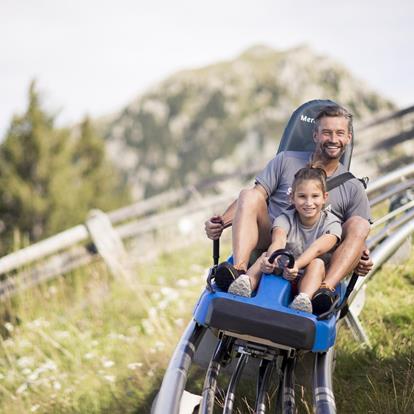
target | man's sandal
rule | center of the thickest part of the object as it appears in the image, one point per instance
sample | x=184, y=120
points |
x=323, y=299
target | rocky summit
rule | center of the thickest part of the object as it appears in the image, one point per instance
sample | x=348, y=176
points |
x=217, y=119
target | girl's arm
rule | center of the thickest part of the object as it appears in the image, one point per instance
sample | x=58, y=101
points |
x=320, y=246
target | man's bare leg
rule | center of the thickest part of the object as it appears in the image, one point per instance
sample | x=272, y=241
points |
x=251, y=226
x=347, y=255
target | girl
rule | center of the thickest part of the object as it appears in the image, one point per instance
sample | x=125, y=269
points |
x=308, y=231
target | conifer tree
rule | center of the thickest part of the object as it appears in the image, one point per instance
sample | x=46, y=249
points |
x=48, y=180
x=102, y=183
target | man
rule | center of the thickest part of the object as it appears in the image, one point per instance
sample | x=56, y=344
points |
x=253, y=212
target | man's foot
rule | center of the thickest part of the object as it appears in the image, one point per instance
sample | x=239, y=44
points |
x=323, y=299
x=241, y=287
x=226, y=274
x=302, y=302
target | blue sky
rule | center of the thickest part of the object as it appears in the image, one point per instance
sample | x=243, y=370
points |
x=95, y=56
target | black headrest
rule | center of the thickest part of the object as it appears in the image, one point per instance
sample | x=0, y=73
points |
x=298, y=134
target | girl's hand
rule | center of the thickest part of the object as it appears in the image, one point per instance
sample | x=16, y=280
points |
x=290, y=274
x=265, y=265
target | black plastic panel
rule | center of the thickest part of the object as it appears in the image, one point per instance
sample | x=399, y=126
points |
x=280, y=327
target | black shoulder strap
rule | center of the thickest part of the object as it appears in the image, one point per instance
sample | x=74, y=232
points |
x=342, y=178
x=338, y=180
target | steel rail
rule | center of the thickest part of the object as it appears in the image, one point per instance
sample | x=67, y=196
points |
x=383, y=252
x=374, y=240
x=175, y=378
x=323, y=395
x=390, y=178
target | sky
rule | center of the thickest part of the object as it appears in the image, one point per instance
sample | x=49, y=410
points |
x=95, y=56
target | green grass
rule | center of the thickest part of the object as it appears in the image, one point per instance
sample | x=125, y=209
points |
x=381, y=380
x=87, y=343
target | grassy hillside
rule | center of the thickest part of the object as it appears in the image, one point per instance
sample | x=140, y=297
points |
x=89, y=344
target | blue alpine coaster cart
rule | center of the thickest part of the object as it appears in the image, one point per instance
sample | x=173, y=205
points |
x=234, y=330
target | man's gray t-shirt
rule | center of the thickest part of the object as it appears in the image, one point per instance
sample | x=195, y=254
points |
x=346, y=200
x=299, y=237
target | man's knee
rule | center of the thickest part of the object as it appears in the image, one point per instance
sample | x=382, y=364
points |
x=356, y=228
x=251, y=199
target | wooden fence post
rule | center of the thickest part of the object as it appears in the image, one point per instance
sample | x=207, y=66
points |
x=109, y=245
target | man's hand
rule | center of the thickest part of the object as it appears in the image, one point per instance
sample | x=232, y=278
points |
x=290, y=273
x=365, y=264
x=265, y=265
x=214, y=227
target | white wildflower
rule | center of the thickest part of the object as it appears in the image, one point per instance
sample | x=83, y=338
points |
x=25, y=361
x=49, y=365
x=89, y=355
x=57, y=385
x=159, y=345
x=21, y=389
x=9, y=326
x=38, y=323
x=179, y=322
x=110, y=378
x=9, y=343
x=152, y=313
x=26, y=371
x=135, y=365
x=182, y=283
x=52, y=290
x=24, y=343
x=62, y=334
x=34, y=408
x=156, y=296
x=33, y=376
x=107, y=363
x=163, y=304
x=148, y=327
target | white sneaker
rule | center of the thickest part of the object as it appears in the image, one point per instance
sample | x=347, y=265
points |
x=241, y=287
x=302, y=302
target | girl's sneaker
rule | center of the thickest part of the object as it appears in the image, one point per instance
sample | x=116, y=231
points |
x=241, y=286
x=302, y=302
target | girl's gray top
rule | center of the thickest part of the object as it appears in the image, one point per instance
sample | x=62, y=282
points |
x=347, y=200
x=299, y=237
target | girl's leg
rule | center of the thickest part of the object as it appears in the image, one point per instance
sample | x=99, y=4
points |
x=313, y=277
x=247, y=283
x=255, y=273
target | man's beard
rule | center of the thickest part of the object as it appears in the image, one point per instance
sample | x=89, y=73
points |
x=325, y=152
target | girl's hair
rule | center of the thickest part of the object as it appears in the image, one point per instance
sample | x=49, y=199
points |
x=310, y=172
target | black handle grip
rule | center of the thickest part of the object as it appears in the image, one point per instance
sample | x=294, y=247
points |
x=351, y=285
x=216, y=251
x=283, y=252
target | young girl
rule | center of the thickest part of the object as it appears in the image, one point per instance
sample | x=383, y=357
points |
x=308, y=231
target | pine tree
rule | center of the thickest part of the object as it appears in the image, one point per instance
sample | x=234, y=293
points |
x=48, y=180
x=102, y=184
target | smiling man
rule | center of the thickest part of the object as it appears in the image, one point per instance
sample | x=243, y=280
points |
x=255, y=209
